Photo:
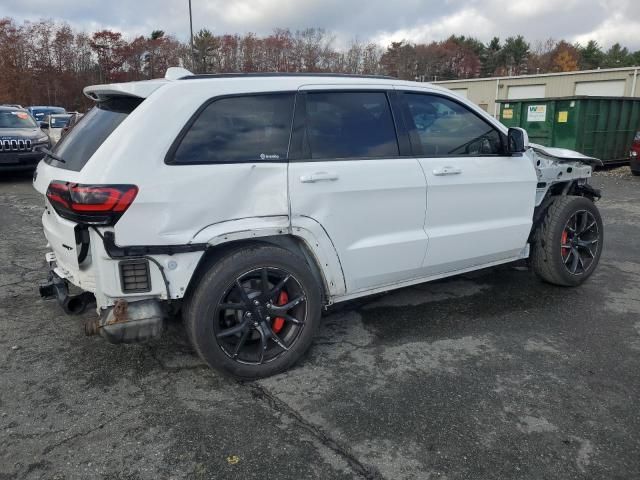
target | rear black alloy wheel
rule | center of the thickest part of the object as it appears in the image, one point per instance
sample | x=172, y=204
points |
x=580, y=239
x=261, y=316
x=253, y=311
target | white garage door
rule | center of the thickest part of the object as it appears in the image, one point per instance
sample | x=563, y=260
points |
x=525, y=91
x=609, y=88
x=460, y=91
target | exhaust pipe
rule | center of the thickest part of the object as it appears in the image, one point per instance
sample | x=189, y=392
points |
x=77, y=304
x=57, y=288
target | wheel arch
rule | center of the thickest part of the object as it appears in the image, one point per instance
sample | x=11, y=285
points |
x=558, y=190
x=289, y=242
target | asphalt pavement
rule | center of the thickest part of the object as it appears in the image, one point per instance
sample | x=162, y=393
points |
x=491, y=375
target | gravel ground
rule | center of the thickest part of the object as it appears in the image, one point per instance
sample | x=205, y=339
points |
x=491, y=375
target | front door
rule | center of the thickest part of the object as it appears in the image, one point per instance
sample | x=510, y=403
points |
x=480, y=200
x=352, y=179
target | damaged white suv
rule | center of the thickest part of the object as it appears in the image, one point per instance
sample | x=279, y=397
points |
x=250, y=202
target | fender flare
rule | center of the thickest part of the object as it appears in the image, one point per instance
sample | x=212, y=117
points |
x=306, y=230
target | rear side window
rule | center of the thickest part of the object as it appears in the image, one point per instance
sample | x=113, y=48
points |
x=239, y=129
x=349, y=125
x=440, y=127
x=84, y=139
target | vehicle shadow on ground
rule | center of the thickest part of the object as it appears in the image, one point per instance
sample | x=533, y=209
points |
x=497, y=299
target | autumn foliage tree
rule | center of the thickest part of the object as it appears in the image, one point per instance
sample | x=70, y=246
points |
x=48, y=62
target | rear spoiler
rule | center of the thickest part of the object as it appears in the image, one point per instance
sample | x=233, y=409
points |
x=140, y=89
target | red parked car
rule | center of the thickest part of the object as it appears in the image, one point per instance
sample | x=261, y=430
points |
x=634, y=155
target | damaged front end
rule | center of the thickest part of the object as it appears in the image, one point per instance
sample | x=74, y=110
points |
x=562, y=172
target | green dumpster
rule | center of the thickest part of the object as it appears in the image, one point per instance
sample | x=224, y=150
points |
x=600, y=127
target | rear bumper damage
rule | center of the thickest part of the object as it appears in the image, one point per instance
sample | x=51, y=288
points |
x=124, y=322
x=128, y=322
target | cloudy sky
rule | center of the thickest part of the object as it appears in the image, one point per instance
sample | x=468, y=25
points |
x=607, y=21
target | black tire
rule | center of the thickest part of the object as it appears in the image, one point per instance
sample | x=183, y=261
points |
x=635, y=173
x=556, y=250
x=208, y=323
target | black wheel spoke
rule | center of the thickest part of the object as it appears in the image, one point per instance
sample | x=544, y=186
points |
x=263, y=345
x=264, y=278
x=274, y=336
x=291, y=319
x=232, y=330
x=275, y=291
x=233, y=306
x=243, y=293
x=241, y=342
x=278, y=309
x=576, y=260
x=588, y=228
x=569, y=255
x=584, y=218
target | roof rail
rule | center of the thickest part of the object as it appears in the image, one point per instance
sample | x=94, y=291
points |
x=282, y=74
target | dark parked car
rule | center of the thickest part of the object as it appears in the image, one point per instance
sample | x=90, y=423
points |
x=634, y=155
x=19, y=138
x=41, y=111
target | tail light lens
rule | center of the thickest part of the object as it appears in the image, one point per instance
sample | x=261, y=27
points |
x=93, y=204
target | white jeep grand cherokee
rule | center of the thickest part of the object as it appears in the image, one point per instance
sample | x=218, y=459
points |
x=253, y=201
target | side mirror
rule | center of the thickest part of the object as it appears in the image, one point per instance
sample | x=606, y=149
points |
x=517, y=140
x=44, y=126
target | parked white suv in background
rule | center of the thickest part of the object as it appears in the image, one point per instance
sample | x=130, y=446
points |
x=253, y=201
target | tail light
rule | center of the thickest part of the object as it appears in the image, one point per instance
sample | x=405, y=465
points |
x=93, y=204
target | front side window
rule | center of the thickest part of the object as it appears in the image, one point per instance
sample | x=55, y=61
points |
x=441, y=127
x=349, y=125
x=239, y=129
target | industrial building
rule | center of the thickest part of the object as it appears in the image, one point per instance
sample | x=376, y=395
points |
x=609, y=82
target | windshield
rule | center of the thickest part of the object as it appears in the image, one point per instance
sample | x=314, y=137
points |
x=91, y=131
x=59, y=121
x=16, y=119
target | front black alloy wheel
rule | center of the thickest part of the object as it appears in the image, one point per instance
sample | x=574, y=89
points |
x=580, y=238
x=254, y=311
x=568, y=242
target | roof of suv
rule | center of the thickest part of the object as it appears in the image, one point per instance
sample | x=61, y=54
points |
x=251, y=82
x=282, y=74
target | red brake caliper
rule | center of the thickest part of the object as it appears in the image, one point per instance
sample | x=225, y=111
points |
x=565, y=237
x=278, y=322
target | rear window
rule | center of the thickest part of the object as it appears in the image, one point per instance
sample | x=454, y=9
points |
x=349, y=125
x=84, y=139
x=239, y=129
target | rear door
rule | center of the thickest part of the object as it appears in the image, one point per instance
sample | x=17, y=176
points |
x=480, y=200
x=354, y=175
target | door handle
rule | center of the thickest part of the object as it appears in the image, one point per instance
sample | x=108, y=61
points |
x=439, y=172
x=319, y=177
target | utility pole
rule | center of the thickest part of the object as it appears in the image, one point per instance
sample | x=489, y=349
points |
x=193, y=56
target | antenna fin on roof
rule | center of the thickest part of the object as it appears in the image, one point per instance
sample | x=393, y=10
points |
x=175, y=73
